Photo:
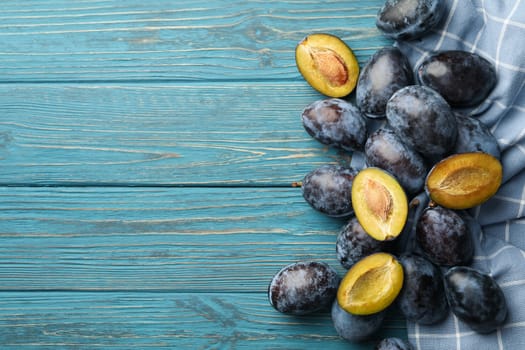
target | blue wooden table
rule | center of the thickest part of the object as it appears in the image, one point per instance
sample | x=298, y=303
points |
x=147, y=152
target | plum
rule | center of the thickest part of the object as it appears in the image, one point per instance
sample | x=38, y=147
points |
x=385, y=72
x=380, y=203
x=393, y=343
x=444, y=237
x=371, y=285
x=355, y=328
x=353, y=244
x=327, y=64
x=474, y=136
x=386, y=150
x=422, y=298
x=464, y=79
x=475, y=298
x=464, y=180
x=422, y=119
x=328, y=189
x=409, y=19
x=335, y=122
x=303, y=287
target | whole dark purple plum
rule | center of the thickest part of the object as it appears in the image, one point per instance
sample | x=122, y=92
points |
x=385, y=72
x=353, y=244
x=475, y=298
x=409, y=19
x=422, y=298
x=393, y=343
x=335, y=122
x=328, y=189
x=422, y=119
x=386, y=150
x=474, y=136
x=464, y=79
x=355, y=328
x=303, y=287
x=444, y=237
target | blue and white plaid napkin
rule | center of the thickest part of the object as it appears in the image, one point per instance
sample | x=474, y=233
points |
x=494, y=29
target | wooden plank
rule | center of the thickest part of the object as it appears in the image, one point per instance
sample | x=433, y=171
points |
x=157, y=239
x=196, y=103
x=55, y=320
x=95, y=267
x=59, y=40
x=194, y=134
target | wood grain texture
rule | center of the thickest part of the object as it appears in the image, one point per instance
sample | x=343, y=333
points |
x=60, y=40
x=169, y=239
x=159, y=267
x=147, y=151
x=164, y=321
x=156, y=134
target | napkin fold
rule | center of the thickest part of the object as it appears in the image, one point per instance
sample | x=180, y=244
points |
x=496, y=31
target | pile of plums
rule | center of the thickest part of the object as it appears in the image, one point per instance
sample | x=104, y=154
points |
x=422, y=145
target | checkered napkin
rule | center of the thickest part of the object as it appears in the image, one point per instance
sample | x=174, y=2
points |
x=495, y=29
